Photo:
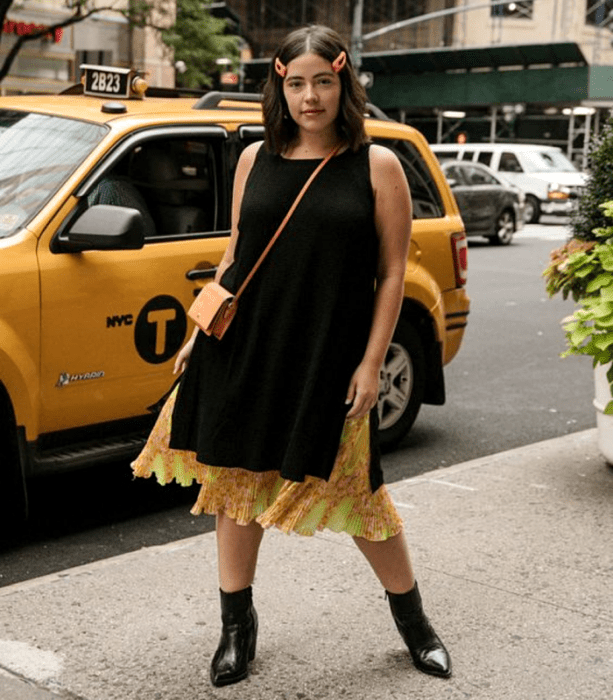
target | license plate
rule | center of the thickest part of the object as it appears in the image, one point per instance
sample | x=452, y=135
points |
x=100, y=80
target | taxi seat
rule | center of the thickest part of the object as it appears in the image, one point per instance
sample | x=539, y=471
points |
x=170, y=190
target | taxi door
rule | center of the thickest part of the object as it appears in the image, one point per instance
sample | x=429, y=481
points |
x=113, y=321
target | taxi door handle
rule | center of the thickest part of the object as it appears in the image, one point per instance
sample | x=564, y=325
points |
x=201, y=274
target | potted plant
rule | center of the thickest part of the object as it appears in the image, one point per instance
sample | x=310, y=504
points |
x=583, y=269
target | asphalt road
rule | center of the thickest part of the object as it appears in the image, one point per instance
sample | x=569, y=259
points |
x=506, y=388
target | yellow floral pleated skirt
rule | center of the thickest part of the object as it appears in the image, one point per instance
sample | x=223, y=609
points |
x=344, y=503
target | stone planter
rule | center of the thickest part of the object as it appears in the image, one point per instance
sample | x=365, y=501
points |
x=603, y=422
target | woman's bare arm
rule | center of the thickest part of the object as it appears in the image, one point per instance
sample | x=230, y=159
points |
x=393, y=216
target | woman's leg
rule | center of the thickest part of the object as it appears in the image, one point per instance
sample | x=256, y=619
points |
x=237, y=553
x=390, y=561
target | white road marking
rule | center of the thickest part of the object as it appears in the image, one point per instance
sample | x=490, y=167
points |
x=29, y=661
x=449, y=483
x=398, y=504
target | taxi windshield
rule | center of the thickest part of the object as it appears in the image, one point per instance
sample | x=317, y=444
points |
x=37, y=153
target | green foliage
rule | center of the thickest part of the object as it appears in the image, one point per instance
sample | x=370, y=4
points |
x=138, y=12
x=589, y=215
x=571, y=269
x=198, y=40
x=589, y=330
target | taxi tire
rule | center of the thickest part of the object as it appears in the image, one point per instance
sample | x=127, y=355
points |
x=406, y=343
x=13, y=494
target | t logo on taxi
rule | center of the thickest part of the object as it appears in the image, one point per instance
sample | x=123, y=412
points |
x=160, y=329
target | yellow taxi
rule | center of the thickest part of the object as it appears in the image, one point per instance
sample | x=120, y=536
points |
x=114, y=211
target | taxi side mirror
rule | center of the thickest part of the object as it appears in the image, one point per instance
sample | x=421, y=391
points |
x=106, y=227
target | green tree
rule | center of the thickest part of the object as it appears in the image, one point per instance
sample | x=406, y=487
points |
x=198, y=40
x=590, y=214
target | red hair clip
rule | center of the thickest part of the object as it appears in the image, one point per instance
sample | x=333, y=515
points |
x=280, y=68
x=339, y=62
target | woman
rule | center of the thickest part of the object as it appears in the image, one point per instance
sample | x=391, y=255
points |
x=277, y=421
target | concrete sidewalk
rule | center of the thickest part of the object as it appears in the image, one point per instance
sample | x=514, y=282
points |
x=514, y=555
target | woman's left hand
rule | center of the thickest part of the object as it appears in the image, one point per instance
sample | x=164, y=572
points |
x=363, y=390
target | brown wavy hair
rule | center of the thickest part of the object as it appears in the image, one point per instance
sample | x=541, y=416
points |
x=280, y=128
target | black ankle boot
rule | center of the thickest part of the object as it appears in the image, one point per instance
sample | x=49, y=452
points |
x=427, y=651
x=238, y=638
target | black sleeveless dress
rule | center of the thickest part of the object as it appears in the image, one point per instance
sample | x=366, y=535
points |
x=271, y=394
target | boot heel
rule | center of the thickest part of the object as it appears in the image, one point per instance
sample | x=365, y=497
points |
x=254, y=638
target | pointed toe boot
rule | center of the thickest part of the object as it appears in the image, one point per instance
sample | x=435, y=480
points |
x=238, y=638
x=427, y=651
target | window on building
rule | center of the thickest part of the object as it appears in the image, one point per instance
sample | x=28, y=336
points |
x=599, y=13
x=94, y=58
x=280, y=13
x=521, y=9
x=389, y=11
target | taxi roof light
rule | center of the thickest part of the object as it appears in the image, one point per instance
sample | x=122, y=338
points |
x=113, y=82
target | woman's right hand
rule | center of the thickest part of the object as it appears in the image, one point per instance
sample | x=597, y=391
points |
x=183, y=356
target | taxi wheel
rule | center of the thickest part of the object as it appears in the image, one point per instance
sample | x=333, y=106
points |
x=13, y=498
x=532, y=210
x=401, y=385
x=505, y=228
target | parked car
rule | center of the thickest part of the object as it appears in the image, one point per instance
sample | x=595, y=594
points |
x=114, y=211
x=550, y=181
x=489, y=206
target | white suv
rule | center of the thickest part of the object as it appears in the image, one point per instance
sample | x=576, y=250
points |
x=549, y=180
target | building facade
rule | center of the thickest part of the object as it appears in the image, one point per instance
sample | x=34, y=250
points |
x=52, y=63
x=586, y=22
x=537, y=71
x=265, y=22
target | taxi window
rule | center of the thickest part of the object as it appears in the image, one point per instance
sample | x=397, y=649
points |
x=174, y=183
x=426, y=198
x=37, y=154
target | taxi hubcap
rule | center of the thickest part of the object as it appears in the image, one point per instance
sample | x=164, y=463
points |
x=395, y=385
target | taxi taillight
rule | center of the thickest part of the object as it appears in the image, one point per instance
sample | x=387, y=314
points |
x=459, y=248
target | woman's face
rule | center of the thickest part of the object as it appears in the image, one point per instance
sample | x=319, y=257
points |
x=313, y=92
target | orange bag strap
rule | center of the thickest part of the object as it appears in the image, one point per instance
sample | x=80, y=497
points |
x=301, y=194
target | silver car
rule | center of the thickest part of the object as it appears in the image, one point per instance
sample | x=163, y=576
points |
x=489, y=205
